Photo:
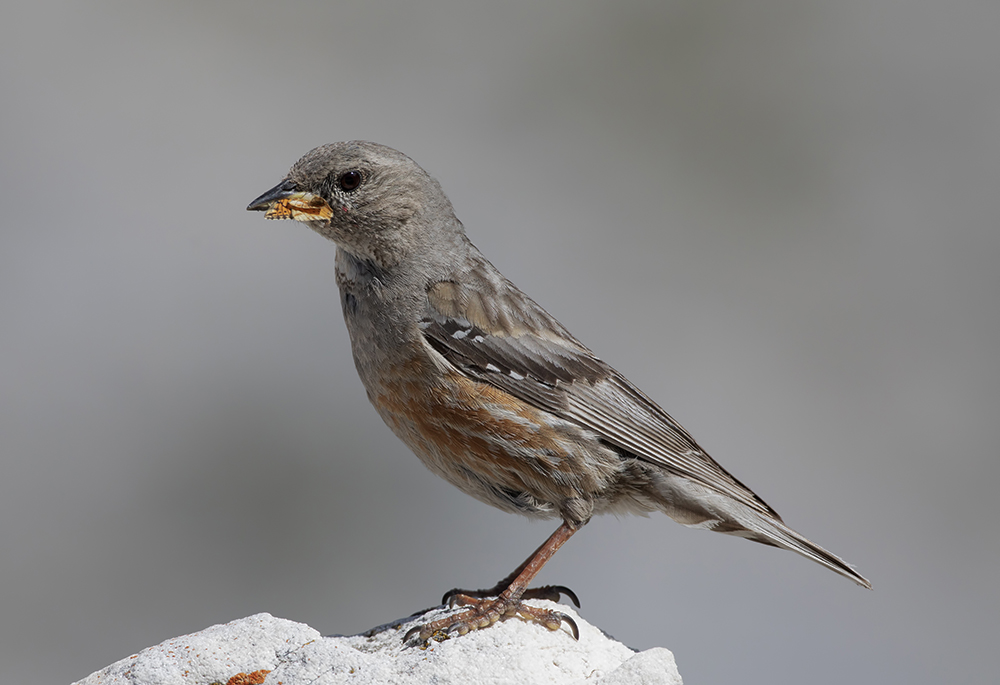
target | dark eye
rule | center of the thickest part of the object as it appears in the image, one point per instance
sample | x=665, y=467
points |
x=349, y=180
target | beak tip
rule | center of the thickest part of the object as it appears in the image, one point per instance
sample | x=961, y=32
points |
x=279, y=192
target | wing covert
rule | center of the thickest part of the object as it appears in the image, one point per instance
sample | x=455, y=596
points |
x=529, y=355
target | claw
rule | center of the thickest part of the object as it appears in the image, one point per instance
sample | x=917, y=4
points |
x=553, y=593
x=440, y=635
x=552, y=620
x=572, y=625
x=450, y=594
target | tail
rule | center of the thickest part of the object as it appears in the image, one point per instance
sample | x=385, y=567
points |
x=741, y=513
x=772, y=531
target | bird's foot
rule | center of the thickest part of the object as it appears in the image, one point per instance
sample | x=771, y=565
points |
x=505, y=599
x=484, y=612
x=553, y=593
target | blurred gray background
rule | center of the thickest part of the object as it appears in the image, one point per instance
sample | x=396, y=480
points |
x=779, y=218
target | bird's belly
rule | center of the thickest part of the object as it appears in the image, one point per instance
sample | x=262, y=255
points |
x=492, y=446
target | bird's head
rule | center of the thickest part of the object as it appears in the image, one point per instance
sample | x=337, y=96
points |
x=374, y=202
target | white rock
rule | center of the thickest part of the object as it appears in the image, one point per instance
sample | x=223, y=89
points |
x=263, y=649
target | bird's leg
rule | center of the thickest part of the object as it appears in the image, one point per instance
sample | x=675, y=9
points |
x=505, y=600
x=552, y=593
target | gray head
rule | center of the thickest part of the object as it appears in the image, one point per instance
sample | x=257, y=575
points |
x=374, y=202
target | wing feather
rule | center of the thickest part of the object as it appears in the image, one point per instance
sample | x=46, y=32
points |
x=528, y=354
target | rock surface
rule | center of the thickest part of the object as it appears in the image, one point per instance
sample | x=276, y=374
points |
x=263, y=650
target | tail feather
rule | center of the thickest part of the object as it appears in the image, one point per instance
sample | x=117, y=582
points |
x=695, y=505
x=774, y=532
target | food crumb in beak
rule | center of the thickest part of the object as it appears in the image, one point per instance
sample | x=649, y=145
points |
x=278, y=210
x=310, y=208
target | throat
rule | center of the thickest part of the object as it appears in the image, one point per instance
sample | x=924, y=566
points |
x=356, y=270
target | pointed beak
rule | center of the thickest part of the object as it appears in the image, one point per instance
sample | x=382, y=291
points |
x=285, y=201
x=282, y=191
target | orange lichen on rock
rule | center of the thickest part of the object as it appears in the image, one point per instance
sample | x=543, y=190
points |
x=255, y=678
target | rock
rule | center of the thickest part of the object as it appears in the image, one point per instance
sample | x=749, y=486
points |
x=263, y=650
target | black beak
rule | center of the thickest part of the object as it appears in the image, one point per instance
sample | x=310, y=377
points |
x=282, y=191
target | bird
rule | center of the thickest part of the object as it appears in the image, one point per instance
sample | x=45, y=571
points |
x=490, y=391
